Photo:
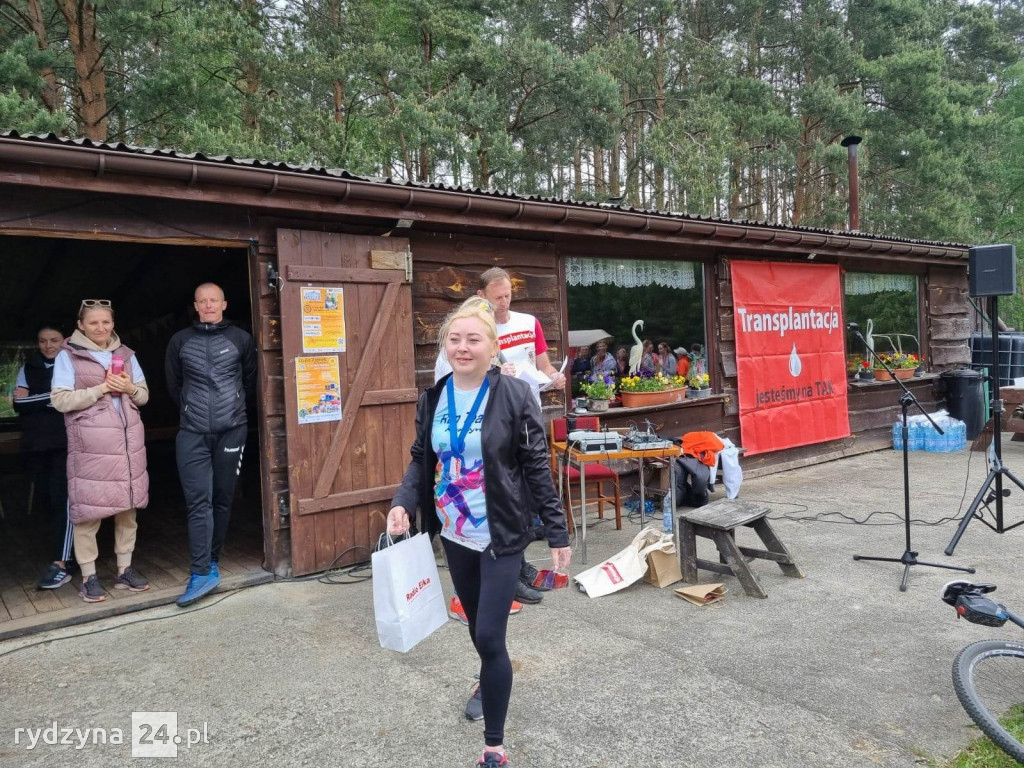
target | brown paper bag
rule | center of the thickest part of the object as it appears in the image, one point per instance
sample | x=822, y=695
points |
x=663, y=568
x=702, y=594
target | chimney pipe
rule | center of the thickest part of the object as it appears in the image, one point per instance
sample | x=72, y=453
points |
x=851, y=142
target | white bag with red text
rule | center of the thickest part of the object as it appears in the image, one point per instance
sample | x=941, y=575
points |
x=624, y=567
x=408, y=603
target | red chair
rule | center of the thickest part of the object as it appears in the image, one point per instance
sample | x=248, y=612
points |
x=597, y=474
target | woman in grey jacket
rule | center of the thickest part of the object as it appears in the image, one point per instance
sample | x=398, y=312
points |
x=479, y=444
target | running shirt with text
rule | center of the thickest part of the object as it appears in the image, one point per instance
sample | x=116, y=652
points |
x=459, y=480
x=521, y=339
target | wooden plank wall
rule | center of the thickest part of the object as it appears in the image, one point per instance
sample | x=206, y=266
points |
x=948, y=318
x=446, y=271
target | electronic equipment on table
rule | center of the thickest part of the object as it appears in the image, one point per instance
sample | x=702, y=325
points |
x=646, y=439
x=587, y=441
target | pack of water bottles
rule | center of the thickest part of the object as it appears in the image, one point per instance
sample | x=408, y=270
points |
x=922, y=436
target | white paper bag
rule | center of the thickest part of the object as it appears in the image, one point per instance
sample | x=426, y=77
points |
x=732, y=474
x=624, y=567
x=407, y=599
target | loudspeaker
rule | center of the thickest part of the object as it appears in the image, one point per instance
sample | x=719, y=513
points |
x=992, y=270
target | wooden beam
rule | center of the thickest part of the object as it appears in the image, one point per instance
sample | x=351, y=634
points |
x=355, y=397
x=338, y=501
x=391, y=396
x=300, y=273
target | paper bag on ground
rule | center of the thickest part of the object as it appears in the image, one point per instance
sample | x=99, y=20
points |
x=625, y=567
x=702, y=594
x=663, y=568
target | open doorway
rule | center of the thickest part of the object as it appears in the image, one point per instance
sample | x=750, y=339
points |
x=151, y=289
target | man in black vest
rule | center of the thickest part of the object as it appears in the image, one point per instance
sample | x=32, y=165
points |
x=211, y=374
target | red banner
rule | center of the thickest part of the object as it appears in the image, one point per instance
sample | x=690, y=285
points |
x=790, y=359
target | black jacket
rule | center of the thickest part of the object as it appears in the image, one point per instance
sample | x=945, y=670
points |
x=42, y=425
x=211, y=372
x=516, y=467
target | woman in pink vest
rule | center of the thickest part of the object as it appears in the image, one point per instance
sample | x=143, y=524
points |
x=98, y=385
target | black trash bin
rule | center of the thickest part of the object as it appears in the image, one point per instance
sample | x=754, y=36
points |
x=965, y=397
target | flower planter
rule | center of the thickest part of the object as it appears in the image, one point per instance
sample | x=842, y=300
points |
x=901, y=373
x=641, y=399
x=599, y=405
x=698, y=394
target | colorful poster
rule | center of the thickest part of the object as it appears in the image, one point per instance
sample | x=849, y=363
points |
x=323, y=320
x=790, y=361
x=318, y=389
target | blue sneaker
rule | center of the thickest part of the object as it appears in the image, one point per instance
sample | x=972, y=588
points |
x=198, y=586
x=214, y=569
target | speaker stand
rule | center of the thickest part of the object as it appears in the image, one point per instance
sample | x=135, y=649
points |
x=998, y=469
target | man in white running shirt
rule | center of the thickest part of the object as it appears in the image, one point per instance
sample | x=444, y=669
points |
x=520, y=337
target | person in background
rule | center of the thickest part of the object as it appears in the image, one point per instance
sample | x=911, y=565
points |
x=667, y=359
x=480, y=449
x=621, y=363
x=211, y=375
x=44, y=446
x=683, y=361
x=581, y=366
x=697, y=362
x=99, y=386
x=602, y=362
x=649, y=361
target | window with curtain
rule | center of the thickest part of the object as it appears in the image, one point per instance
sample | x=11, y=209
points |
x=611, y=294
x=889, y=302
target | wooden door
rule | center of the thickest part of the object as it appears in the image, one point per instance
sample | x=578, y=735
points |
x=343, y=474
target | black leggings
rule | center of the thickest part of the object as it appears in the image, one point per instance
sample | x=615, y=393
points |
x=486, y=585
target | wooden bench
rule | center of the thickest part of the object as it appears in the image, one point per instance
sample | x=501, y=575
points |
x=718, y=521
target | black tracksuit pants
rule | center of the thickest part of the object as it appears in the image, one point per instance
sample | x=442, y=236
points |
x=49, y=473
x=208, y=466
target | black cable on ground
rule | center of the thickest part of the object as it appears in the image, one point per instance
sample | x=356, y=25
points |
x=350, y=574
x=203, y=607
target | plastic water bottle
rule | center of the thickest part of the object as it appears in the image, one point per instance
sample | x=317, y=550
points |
x=932, y=439
x=916, y=436
x=897, y=436
x=666, y=512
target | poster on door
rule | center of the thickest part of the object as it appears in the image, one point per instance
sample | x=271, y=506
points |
x=318, y=389
x=790, y=358
x=323, y=320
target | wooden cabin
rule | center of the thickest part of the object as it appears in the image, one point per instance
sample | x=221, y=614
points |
x=143, y=227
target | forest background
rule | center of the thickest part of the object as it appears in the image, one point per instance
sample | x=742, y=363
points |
x=718, y=107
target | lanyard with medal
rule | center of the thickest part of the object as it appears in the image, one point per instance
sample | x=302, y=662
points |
x=459, y=438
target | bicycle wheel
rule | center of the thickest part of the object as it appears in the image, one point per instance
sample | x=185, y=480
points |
x=989, y=680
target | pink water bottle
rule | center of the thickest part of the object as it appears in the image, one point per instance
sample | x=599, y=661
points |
x=116, y=365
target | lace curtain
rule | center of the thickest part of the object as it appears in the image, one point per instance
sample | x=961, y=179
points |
x=860, y=283
x=630, y=273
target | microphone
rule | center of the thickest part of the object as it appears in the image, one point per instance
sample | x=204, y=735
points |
x=853, y=327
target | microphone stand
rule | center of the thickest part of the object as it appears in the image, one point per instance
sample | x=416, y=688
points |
x=909, y=557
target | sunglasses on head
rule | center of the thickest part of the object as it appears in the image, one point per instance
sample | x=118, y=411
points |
x=96, y=303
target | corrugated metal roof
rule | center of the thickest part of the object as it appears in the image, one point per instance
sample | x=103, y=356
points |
x=313, y=170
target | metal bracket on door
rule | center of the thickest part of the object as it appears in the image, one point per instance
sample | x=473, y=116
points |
x=283, y=508
x=408, y=264
x=273, y=278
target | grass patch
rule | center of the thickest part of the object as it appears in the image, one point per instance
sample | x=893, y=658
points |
x=984, y=754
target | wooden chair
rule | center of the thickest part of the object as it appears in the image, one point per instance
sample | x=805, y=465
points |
x=597, y=474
